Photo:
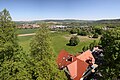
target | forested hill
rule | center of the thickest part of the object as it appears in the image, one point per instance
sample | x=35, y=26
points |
x=71, y=20
x=108, y=21
x=55, y=21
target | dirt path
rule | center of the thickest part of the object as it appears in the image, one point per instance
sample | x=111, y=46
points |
x=30, y=34
x=26, y=34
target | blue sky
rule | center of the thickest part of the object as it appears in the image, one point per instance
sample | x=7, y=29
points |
x=62, y=9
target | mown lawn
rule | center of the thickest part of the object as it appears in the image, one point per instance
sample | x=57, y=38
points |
x=59, y=41
x=24, y=41
x=26, y=31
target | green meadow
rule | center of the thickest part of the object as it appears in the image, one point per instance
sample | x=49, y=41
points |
x=26, y=31
x=58, y=41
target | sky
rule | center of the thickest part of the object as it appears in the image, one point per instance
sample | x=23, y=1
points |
x=26, y=10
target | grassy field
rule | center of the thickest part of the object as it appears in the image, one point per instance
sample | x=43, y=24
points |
x=26, y=31
x=24, y=41
x=59, y=41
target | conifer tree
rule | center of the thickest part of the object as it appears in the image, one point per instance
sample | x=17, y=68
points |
x=12, y=58
x=43, y=61
x=41, y=44
x=7, y=36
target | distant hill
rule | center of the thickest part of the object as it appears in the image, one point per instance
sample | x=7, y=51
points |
x=69, y=21
x=52, y=21
x=109, y=21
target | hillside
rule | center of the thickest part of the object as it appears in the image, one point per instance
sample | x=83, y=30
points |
x=71, y=20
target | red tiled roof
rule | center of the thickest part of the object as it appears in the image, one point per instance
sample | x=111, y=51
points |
x=77, y=68
x=87, y=55
x=61, y=59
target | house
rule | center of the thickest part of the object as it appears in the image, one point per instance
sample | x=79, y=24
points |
x=28, y=26
x=57, y=27
x=77, y=67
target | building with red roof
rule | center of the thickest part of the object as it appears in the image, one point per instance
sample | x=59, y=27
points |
x=76, y=66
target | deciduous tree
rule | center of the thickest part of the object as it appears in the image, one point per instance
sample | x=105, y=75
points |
x=110, y=42
x=74, y=40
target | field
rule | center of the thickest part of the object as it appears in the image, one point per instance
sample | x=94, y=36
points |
x=58, y=40
x=26, y=31
x=24, y=41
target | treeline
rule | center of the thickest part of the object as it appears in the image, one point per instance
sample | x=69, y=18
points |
x=15, y=64
x=91, y=32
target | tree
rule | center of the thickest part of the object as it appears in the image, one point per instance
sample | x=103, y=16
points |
x=73, y=31
x=95, y=35
x=41, y=43
x=74, y=41
x=7, y=36
x=85, y=48
x=43, y=66
x=99, y=31
x=92, y=45
x=12, y=58
x=110, y=42
x=82, y=33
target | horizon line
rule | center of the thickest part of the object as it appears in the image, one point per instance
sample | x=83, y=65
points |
x=68, y=19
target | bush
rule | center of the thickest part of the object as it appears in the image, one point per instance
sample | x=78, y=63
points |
x=95, y=35
x=74, y=41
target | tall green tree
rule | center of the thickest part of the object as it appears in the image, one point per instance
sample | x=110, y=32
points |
x=8, y=38
x=41, y=44
x=43, y=66
x=110, y=42
x=12, y=59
